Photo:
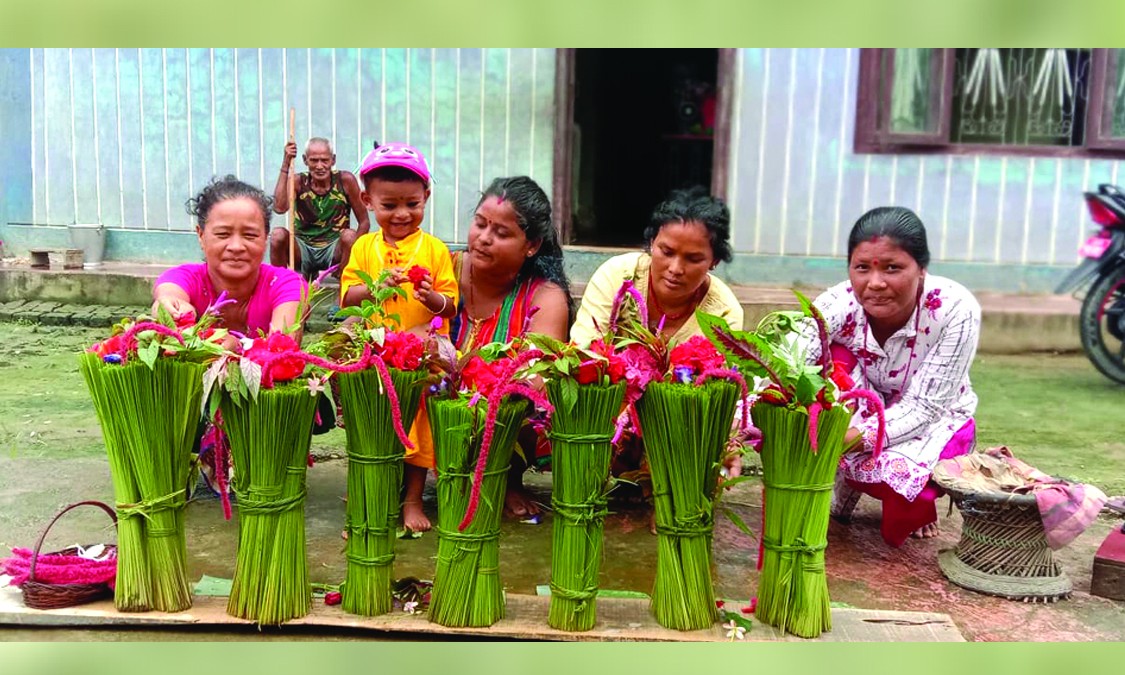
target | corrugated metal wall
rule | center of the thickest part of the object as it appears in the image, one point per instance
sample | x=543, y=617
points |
x=125, y=136
x=796, y=186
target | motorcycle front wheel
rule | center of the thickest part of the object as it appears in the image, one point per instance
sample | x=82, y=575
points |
x=1102, y=327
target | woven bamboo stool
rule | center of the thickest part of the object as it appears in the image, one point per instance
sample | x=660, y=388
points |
x=1003, y=549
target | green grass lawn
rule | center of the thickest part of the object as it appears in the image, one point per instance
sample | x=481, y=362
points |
x=1056, y=412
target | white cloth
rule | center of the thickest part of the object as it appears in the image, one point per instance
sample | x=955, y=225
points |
x=922, y=376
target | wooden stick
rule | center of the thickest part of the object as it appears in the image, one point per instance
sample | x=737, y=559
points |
x=292, y=194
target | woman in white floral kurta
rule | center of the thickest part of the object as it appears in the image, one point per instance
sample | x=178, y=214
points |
x=910, y=337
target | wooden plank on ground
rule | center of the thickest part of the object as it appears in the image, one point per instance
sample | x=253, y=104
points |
x=619, y=619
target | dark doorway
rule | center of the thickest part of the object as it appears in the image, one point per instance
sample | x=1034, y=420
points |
x=644, y=124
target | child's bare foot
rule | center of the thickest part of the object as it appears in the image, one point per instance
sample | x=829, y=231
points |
x=413, y=518
x=518, y=502
x=926, y=531
x=652, y=522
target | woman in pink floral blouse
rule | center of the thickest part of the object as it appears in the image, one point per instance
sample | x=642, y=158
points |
x=909, y=336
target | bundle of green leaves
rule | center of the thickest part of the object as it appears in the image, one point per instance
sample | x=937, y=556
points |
x=587, y=389
x=145, y=381
x=380, y=377
x=803, y=413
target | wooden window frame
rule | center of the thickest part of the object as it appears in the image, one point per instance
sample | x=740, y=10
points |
x=873, y=137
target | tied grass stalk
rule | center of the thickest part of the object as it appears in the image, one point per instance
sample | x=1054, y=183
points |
x=375, y=463
x=793, y=587
x=685, y=430
x=580, y=455
x=467, y=589
x=269, y=441
x=149, y=418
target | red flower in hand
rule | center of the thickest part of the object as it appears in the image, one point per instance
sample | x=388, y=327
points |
x=587, y=372
x=417, y=274
x=185, y=320
x=283, y=369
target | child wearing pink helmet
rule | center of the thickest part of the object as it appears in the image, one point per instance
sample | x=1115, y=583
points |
x=396, y=186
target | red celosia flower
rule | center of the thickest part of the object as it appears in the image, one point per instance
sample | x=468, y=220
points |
x=184, y=320
x=111, y=345
x=402, y=350
x=479, y=375
x=587, y=372
x=333, y=598
x=616, y=369
x=752, y=607
x=841, y=376
x=697, y=353
x=277, y=343
x=417, y=274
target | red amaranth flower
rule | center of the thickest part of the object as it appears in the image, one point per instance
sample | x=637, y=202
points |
x=873, y=403
x=494, y=401
x=333, y=598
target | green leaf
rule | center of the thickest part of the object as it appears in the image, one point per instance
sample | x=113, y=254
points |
x=149, y=353
x=738, y=522
x=737, y=618
x=252, y=376
x=367, y=280
x=808, y=384
x=350, y=311
x=164, y=316
x=569, y=393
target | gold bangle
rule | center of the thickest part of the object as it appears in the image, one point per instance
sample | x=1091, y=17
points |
x=444, y=305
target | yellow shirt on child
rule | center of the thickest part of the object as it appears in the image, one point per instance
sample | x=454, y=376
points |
x=372, y=254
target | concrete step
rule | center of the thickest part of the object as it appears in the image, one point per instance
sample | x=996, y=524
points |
x=1010, y=323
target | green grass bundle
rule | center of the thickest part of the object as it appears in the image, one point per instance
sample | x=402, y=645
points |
x=685, y=429
x=792, y=586
x=581, y=449
x=467, y=589
x=148, y=415
x=269, y=441
x=375, y=456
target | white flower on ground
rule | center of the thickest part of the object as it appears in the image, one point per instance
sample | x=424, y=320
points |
x=410, y=607
x=734, y=631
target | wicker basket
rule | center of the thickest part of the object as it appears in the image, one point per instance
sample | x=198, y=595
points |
x=38, y=595
x=1003, y=549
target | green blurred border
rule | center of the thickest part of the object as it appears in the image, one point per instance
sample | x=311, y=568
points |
x=563, y=23
x=549, y=658
x=568, y=23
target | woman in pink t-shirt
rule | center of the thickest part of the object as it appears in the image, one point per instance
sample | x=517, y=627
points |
x=233, y=227
x=232, y=221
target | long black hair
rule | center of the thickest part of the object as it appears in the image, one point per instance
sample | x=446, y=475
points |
x=533, y=212
x=897, y=223
x=222, y=189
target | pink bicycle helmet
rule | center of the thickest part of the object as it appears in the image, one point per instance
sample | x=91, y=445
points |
x=396, y=154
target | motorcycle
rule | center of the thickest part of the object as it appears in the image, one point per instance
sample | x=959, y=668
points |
x=1102, y=318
